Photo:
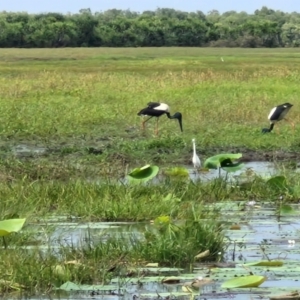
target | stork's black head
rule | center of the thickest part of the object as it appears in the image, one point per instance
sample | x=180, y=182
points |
x=287, y=104
x=178, y=116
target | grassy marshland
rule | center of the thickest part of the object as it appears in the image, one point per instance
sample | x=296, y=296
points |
x=79, y=108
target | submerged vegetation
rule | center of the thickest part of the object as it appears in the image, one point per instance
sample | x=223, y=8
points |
x=71, y=139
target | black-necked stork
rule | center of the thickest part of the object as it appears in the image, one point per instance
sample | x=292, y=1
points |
x=277, y=114
x=156, y=109
x=196, y=160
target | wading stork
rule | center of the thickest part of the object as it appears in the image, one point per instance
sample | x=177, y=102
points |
x=156, y=109
x=277, y=114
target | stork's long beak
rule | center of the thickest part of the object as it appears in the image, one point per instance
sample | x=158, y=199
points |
x=180, y=123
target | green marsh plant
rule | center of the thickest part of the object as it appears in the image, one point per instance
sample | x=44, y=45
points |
x=10, y=226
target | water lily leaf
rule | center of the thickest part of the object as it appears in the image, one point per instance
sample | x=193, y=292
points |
x=73, y=262
x=164, y=295
x=155, y=265
x=171, y=197
x=177, y=171
x=187, y=289
x=158, y=279
x=159, y=270
x=171, y=280
x=197, y=283
x=267, y=263
x=162, y=220
x=244, y=282
x=71, y=286
x=202, y=254
x=277, y=182
x=286, y=209
x=294, y=190
x=11, y=225
x=143, y=174
x=224, y=161
x=60, y=270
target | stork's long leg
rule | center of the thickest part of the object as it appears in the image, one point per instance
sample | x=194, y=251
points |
x=143, y=123
x=156, y=132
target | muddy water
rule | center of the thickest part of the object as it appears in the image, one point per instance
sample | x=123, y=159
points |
x=260, y=168
x=24, y=150
x=262, y=236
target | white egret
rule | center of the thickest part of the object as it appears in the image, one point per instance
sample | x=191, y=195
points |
x=196, y=160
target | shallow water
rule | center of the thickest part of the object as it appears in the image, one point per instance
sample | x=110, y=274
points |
x=260, y=168
x=23, y=150
x=262, y=236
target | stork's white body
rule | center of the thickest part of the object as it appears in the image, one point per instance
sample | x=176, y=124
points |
x=196, y=160
x=163, y=107
x=278, y=113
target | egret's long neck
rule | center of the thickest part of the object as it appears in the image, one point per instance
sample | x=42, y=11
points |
x=194, y=147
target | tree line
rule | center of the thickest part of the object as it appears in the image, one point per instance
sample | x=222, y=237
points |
x=162, y=27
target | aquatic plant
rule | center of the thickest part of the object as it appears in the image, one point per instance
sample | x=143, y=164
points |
x=244, y=282
x=9, y=226
x=62, y=156
x=143, y=174
x=225, y=162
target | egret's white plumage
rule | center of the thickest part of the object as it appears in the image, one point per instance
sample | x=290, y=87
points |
x=196, y=160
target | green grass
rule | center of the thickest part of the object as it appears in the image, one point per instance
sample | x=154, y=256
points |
x=80, y=107
x=72, y=99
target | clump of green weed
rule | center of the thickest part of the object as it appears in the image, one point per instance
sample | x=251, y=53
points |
x=177, y=244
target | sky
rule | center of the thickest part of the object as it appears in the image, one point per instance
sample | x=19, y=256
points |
x=73, y=6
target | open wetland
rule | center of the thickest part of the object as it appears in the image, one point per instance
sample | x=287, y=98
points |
x=96, y=204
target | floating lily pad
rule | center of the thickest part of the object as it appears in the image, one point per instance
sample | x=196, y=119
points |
x=244, y=282
x=164, y=295
x=11, y=225
x=160, y=270
x=171, y=280
x=177, y=171
x=286, y=209
x=143, y=174
x=71, y=286
x=267, y=263
x=224, y=161
x=197, y=283
x=152, y=265
x=158, y=279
